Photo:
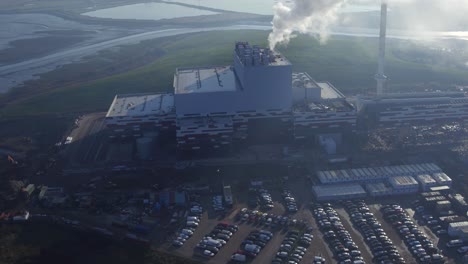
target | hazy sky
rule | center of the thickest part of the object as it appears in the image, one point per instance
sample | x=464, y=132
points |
x=310, y=16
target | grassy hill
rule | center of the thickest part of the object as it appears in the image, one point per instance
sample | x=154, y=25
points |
x=347, y=62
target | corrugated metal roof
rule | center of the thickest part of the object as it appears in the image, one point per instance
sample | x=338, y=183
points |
x=459, y=224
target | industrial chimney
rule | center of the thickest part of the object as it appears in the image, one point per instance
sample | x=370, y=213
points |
x=380, y=76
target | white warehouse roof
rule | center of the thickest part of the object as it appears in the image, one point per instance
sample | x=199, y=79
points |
x=141, y=105
x=338, y=191
x=402, y=181
x=203, y=80
x=441, y=178
x=426, y=179
x=376, y=173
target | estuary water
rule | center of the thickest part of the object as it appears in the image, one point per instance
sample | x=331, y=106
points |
x=148, y=11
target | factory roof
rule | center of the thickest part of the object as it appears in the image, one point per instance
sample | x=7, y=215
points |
x=375, y=173
x=252, y=56
x=415, y=102
x=338, y=190
x=425, y=179
x=329, y=91
x=303, y=80
x=323, y=106
x=439, y=188
x=441, y=177
x=141, y=105
x=378, y=187
x=402, y=181
x=204, y=79
x=463, y=224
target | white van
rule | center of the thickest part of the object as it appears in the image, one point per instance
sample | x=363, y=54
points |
x=239, y=257
x=212, y=242
x=454, y=243
x=187, y=231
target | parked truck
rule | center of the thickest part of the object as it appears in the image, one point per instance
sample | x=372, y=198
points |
x=228, y=199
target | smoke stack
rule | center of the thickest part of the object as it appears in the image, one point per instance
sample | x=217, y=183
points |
x=380, y=76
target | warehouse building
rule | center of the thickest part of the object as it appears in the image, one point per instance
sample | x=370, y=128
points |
x=458, y=230
x=444, y=189
x=425, y=182
x=378, y=189
x=404, y=184
x=443, y=206
x=129, y=114
x=375, y=174
x=459, y=203
x=442, y=179
x=407, y=109
x=338, y=192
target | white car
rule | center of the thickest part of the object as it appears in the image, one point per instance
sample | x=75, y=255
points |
x=177, y=243
x=208, y=253
x=192, y=224
x=187, y=232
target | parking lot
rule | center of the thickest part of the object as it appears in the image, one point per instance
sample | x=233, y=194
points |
x=280, y=224
x=275, y=212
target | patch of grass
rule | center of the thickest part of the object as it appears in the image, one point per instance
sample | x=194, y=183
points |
x=347, y=62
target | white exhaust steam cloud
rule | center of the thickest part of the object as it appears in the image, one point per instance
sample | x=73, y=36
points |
x=316, y=16
x=303, y=16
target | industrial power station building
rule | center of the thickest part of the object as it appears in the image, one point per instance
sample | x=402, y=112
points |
x=257, y=98
x=260, y=100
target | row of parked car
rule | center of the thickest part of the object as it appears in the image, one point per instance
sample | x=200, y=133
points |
x=289, y=201
x=265, y=199
x=211, y=243
x=193, y=220
x=261, y=218
x=338, y=238
x=293, y=247
x=417, y=242
x=381, y=246
x=252, y=245
x=429, y=220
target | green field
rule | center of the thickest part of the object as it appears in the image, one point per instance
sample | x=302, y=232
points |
x=347, y=62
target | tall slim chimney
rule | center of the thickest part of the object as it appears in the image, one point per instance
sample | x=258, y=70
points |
x=380, y=76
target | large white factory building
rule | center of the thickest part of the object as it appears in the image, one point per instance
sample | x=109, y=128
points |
x=258, y=97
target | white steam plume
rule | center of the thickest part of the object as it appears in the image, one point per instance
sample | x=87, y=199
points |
x=303, y=16
x=316, y=16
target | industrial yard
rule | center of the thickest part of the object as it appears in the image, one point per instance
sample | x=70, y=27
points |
x=252, y=161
